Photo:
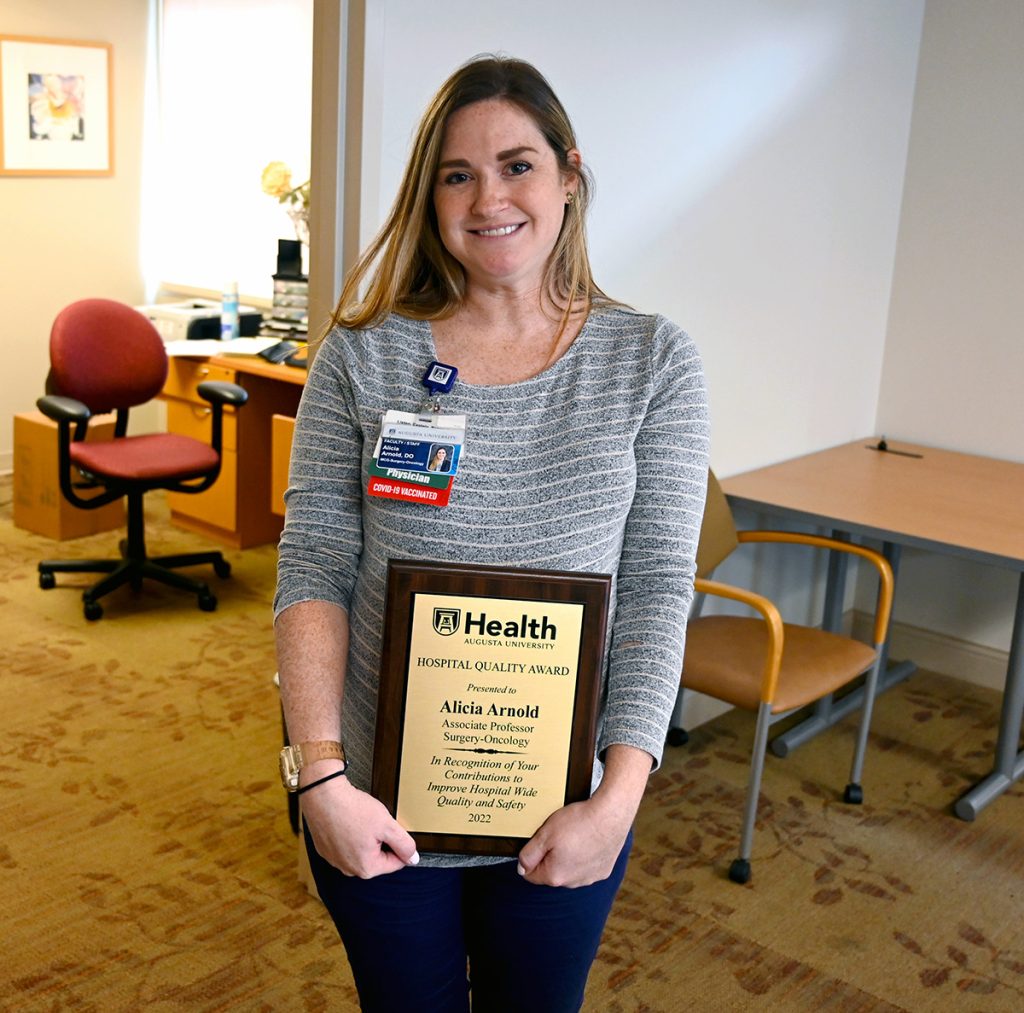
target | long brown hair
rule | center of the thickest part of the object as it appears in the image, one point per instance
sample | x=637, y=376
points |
x=407, y=270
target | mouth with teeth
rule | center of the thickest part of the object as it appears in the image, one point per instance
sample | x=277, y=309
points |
x=504, y=230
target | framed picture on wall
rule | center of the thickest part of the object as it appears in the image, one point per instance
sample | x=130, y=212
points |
x=56, y=107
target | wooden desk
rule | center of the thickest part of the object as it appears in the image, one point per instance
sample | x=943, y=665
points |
x=939, y=500
x=253, y=365
x=239, y=509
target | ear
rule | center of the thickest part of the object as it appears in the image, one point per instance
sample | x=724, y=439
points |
x=575, y=159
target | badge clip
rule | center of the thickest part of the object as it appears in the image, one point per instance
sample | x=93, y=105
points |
x=438, y=379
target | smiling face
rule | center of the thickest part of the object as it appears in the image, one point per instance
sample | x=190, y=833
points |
x=499, y=195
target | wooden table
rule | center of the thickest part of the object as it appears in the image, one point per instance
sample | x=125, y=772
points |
x=938, y=500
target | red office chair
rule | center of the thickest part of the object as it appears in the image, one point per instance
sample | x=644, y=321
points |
x=107, y=357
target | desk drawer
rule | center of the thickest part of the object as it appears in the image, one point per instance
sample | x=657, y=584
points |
x=188, y=418
x=282, y=429
x=218, y=505
x=185, y=375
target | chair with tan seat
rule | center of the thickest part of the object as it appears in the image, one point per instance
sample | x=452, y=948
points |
x=774, y=668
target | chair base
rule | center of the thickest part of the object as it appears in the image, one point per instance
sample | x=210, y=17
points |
x=854, y=794
x=131, y=569
x=677, y=737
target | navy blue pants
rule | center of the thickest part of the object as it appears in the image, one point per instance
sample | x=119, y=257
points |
x=409, y=934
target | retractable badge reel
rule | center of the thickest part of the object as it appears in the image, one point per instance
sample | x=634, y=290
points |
x=439, y=380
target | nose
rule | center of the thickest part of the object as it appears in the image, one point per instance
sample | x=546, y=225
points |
x=489, y=196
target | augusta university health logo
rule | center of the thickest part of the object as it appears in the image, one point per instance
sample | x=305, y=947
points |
x=446, y=621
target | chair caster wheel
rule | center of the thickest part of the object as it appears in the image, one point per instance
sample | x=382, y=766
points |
x=854, y=794
x=739, y=871
x=47, y=580
x=222, y=568
x=93, y=610
x=207, y=601
x=677, y=737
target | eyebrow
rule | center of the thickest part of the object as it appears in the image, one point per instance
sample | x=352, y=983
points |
x=462, y=163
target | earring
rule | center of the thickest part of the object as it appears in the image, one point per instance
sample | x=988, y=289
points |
x=570, y=198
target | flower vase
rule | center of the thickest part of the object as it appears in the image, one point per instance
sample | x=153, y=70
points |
x=299, y=214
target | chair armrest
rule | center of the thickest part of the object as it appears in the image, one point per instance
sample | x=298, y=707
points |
x=886, y=581
x=772, y=619
x=218, y=393
x=63, y=409
x=222, y=393
x=68, y=412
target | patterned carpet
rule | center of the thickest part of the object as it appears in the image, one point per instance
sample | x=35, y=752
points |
x=146, y=860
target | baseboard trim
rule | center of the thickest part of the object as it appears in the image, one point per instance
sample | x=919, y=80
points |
x=937, y=652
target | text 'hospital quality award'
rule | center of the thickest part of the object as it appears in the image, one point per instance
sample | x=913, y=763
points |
x=487, y=712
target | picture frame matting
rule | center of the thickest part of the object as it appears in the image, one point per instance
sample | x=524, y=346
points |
x=56, y=107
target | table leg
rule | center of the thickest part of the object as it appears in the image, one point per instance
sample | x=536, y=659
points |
x=1009, y=760
x=828, y=711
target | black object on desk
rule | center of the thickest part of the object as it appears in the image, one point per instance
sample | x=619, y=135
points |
x=280, y=352
x=884, y=447
x=289, y=260
x=291, y=353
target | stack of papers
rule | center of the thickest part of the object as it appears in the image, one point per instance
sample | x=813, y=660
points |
x=236, y=346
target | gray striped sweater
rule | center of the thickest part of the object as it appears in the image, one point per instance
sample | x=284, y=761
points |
x=598, y=464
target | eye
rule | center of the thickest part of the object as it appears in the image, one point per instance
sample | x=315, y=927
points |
x=518, y=168
x=454, y=178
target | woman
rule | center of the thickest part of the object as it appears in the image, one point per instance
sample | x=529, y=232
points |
x=438, y=461
x=482, y=264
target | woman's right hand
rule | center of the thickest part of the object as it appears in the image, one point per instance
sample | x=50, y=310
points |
x=354, y=831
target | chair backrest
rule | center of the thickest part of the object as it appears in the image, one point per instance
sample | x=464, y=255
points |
x=717, y=529
x=106, y=355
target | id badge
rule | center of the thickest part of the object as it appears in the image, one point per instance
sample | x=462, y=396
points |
x=416, y=458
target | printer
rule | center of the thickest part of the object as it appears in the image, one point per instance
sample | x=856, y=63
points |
x=197, y=319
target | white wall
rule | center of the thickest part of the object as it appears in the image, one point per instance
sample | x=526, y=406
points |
x=954, y=360
x=749, y=157
x=953, y=369
x=67, y=238
x=753, y=183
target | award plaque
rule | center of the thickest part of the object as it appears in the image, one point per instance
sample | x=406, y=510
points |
x=487, y=712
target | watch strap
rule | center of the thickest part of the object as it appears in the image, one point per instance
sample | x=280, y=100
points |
x=294, y=758
x=310, y=752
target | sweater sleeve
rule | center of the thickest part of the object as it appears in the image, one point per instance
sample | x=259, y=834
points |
x=657, y=565
x=323, y=534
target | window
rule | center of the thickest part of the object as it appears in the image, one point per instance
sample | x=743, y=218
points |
x=232, y=92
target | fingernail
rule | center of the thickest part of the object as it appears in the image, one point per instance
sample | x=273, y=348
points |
x=415, y=860
x=520, y=869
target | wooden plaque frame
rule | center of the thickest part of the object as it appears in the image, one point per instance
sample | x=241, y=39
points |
x=409, y=578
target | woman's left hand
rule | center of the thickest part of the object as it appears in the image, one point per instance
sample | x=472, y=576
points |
x=578, y=844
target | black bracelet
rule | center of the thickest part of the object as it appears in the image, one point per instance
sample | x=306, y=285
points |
x=329, y=777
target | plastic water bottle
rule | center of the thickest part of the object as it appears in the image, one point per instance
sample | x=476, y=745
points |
x=229, y=312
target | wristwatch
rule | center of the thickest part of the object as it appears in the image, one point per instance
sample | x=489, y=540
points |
x=294, y=758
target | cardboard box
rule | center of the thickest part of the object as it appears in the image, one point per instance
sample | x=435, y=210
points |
x=39, y=505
